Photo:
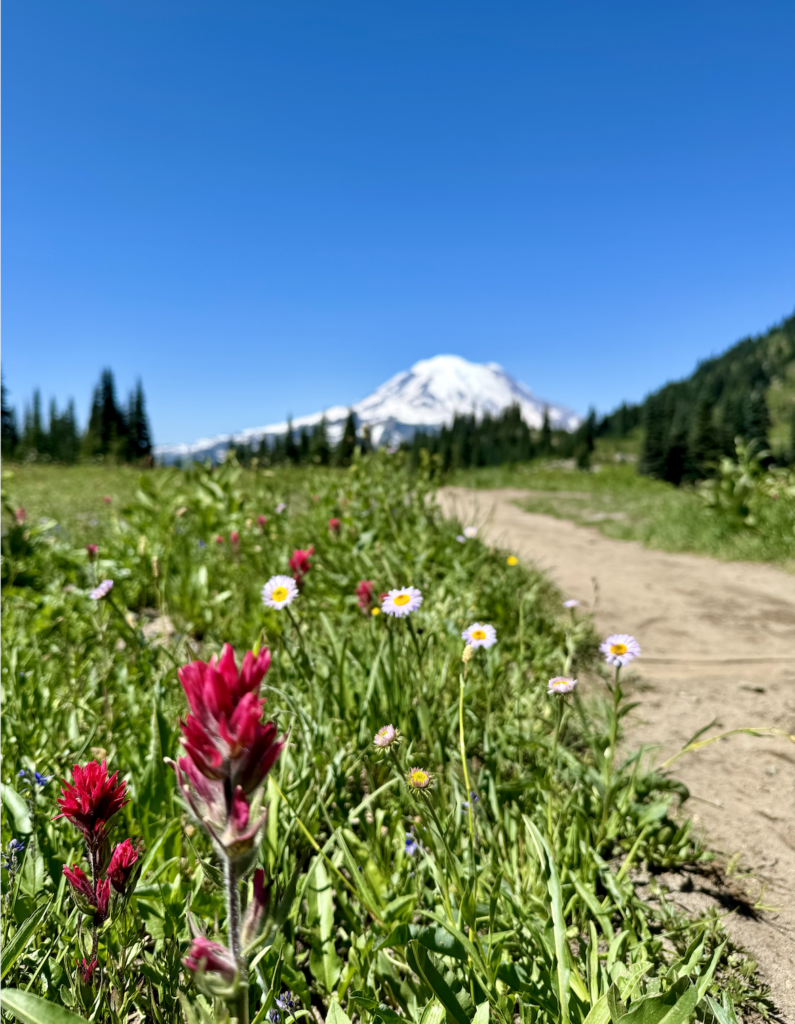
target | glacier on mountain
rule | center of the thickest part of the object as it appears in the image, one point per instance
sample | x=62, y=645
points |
x=426, y=397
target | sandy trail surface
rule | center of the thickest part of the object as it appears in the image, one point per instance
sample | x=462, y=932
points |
x=718, y=642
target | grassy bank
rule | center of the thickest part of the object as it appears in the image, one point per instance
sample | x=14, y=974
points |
x=616, y=499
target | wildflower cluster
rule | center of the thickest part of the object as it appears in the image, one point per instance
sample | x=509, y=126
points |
x=90, y=803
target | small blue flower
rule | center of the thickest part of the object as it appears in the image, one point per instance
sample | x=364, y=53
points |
x=41, y=780
x=201, y=543
x=285, y=1001
x=274, y=1016
x=411, y=845
x=15, y=846
x=21, y=773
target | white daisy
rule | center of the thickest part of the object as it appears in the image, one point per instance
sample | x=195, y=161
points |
x=561, y=684
x=571, y=603
x=402, y=601
x=279, y=591
x=461, y=539
x=470, y=532
x=479, y=635
x=620, y=649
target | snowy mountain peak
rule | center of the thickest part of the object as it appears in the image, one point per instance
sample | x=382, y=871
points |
x=425, y=397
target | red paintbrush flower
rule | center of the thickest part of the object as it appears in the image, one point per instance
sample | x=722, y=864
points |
x=85, y=896
x=81, y=884
x=334, y=525
x=224, y=737
x=300, y=563
x=87, y=971
x=92, y=801
x=212, y=957
x=365, y=592
x=92, y=550
x=122, y=864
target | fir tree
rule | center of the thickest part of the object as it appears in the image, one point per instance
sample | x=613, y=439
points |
x=545, y=441
x=107, y=427
x=347, y=443
x=139, y=436
x=10, y=434
x=291, y=452
x=320, y=450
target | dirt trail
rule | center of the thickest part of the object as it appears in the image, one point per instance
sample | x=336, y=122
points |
x=718, y=641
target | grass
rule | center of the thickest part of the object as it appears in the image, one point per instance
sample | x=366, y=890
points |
x=504, y=892
x=624, y=505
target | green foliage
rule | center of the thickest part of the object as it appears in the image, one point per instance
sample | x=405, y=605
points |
x=519, y=903
x=690, y=424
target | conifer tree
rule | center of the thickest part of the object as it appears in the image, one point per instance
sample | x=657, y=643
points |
x=347, y=443
x=10, y=434
x=545, y=441
x=291, y=452
x=320, y=450
x=139, y=437
x=107, y=427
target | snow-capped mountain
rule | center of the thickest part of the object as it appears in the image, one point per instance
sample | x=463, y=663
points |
x=425, y=397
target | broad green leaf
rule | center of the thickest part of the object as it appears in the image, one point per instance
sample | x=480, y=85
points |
x=323, y=959
x=419, y=960
x=481, y=1014
x=32, y=1009
x=17, y=807
x=433, y=1013
x=13, y=950
x=336, y=1014
x=599, y=1012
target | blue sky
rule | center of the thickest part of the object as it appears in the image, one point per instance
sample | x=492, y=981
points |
x=263, y=208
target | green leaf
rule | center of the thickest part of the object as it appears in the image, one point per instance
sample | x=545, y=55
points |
x=17, y=807
x=599, y=1012
x=482, y=1014
x=558, y=920
x=32, y=1009
x=336, y=1014
x=323, y=959
x=155, y=848
x=14, y=949
x=433, y=1013
x=419, y=960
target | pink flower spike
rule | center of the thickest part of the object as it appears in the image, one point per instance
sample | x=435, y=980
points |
x=261, y=521
x=91, y=802
x=93, y=550
x=122, y=864
x=234, y=537
x=334, y=526
x=219, y=539
x=211, y=957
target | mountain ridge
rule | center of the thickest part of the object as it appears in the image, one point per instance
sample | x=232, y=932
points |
x=427, y=396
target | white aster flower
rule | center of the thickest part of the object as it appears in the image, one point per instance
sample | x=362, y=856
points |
x=571, y=603
x=561, y=684
x=461, y=539
x=402, y=601
x=479, y=635
x=279, y=591
x=470, y=532
x=102, y=590
x=620, y=649
x=280, y=508
x=386, y=736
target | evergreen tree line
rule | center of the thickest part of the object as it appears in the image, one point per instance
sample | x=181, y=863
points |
x=690, y=424
x=304, y=448
x=114, y=432
x=494, y=440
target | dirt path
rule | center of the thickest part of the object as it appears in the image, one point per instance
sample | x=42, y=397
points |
x=718, y=641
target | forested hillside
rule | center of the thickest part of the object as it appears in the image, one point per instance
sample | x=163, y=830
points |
x=747, y=392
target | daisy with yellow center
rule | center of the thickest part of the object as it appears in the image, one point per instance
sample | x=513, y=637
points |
x=386, y=736
x=419, y=781
x=400, y=603
x=561, y=684
x=512, y=560
x=620, y=649
x=279, y=591
x=480, y=635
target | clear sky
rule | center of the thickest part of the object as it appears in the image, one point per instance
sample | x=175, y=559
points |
x=263, y=207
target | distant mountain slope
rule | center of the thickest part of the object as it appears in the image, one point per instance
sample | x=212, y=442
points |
x=425, y=397
x=748, y=391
